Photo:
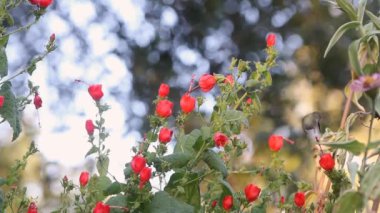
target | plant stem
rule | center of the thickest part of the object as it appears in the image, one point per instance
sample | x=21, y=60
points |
x=240, y=100
x=364, y=161
x=20, y=29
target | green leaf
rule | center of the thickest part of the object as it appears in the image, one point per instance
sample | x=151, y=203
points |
x=370, y=184
x=4, y=41
x=375, y=20
x=206, y=132
x=177, y=160
x=354, y=146
x=361, y=9
x=185, y=143
x=190, y=184
x=3, y=63
x=118, y=200
x=353, y=56
x=127, y=170
x=9, y=110
x=350, y=201
x=226, y=187
x=215, y=162
x=102, y=165
x=164, y=203
x=91, y=151
x=338, y=34
x=235, y=116
x=2, y=207
x=347, y=8
x=113, y=189
x=252, y=83
x=268, y=78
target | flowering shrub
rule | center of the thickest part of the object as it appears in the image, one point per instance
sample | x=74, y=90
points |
x=202, y=158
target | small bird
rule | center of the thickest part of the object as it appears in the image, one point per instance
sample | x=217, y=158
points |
x=311, y=126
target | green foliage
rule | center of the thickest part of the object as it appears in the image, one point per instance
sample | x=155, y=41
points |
x=213, y=161
x=3, y=63
x=118, y=200
x=9, y=110
x=185, y=143
x=164, y=203
x=370, y=185
x=349, y=202
x=353, y=146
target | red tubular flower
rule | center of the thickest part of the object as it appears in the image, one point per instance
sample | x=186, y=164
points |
x=37, y=101
x=187, y=103
x=271, y=40
x=252, y=192
x=164, y=108
x=1, y=101
x=52, y=38
x=164, y=90
x=299, y=199
x=229, y=80
x=228, y=202
x=249, y=101
x=145, y=175
x=100, y=207
x=282, y=200
x=95, y=91
x=327, y=162
x=32, y=208
x=41, y=3
x=90, y=127
x=275, y=142
x=207, y=82
x=83, y=178
x=220, y=139
x=165, y=135
x=213, y=204
x=138, y=163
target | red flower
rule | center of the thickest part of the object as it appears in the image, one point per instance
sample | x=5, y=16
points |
x=228, y=202
x=271, y=40
x=95, y=91
x=52, y=38
x=145, y=175
x=327, y=162
x=187, y=103
x=299, y=199
x=165, y=135
x=229, y=80
x=32, y=208
x=37, y=101
x=220, y=139
x=164, y=108
x=138, y=163
x=164, y=90
x=41, y=3
x=213, y=204
x=83, y=178
x=282, y=200
x=249, y=101
x=252, y=192
x=100, y=207
x=275, y=142
x=1, y=101
x=207, y=82
x=90, y=127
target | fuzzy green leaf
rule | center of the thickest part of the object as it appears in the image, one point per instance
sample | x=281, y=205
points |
x=118, y=200
x=361, y=9
x=114, y=188
x=127, y=170
x=370, y=185
x=164, y=203
x=354, y=146
x=349, y=202
x=91, y=151
x=353, y=56
x=9, y=110
x=215, y=162
x=102, y=165
x=348, y=9
x=3, y=63
x=375, y=20
x=339, y=33
x=185, y=143
x=177, y=160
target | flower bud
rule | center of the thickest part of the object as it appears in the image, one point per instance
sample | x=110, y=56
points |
x=1, y=101
x=228, y=202
x=271, y=40
x=145, y=175
x=299, y=199
x=275, y=142
x=327, y=162
x=32, y=208
x=52, y=38
x=207, y=82
x=83, y=178
x=164, y=108
x=229, y=80
x=249, y=101
x=165, y=135
x=41, y=3
x=282, y=200
x=95, y=91
x=220, y=139
x=37, y=101
x=90, y=127
x=252, y=192
x=100, y=207
x=164, y=90
x=213, y=204
x=187, y=103
x=138, y=163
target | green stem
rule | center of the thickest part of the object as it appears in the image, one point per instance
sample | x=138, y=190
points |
x=364, y=161
x=240, y=100
x=20, y=29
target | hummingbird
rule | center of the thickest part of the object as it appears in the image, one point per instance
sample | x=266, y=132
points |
x=311, y=126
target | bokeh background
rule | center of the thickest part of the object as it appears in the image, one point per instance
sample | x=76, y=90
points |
x=132, y=46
